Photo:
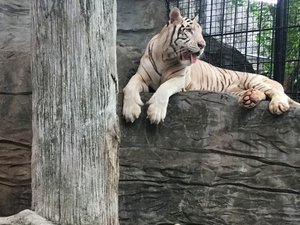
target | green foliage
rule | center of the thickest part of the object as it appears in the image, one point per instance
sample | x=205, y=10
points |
x=293, y=40
x=265, y=15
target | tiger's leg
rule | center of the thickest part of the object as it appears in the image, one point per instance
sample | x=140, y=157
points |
x=272, y=89
x=132, y=101
x=279, y=100
x=158, y=103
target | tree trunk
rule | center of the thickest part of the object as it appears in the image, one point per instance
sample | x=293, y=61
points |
x=75, y=128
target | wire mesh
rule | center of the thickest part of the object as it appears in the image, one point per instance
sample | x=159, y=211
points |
x=251, y=27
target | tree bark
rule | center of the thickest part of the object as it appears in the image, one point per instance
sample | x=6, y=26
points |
x=75, y=127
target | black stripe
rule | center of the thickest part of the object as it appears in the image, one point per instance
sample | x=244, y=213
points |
x=179, y=30
x=224, y=75
x=173, y=72
x=185, y=38
x=147, y=74
x=218, y=85
x=222, y=88
x=237, y=74
x=172, y=35
x=246, y=80
x=171, y=39
x=251, y=81
x=152, y=60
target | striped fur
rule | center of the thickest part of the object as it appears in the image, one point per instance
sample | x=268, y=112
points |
x=170, y=64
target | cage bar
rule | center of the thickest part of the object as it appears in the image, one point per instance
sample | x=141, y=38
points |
x=261, y=31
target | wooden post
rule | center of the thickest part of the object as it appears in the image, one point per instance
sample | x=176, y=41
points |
x=75, y=127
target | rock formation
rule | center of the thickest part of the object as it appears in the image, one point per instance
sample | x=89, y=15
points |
x=15, y=107
x=211, y=162
x=25, y=217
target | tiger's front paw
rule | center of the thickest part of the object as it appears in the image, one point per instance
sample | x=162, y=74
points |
x=157, y=110
x=279, y=105
x=132, y=107
x=251, y=98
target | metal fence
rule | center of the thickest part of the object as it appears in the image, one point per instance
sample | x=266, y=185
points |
x=265, y=32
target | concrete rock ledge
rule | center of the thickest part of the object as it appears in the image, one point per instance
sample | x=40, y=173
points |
x=25, y=217
x=211, y=162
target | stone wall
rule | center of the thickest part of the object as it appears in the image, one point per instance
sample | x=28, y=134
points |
x=137, y=22
x=211, y=162
x=15, y=107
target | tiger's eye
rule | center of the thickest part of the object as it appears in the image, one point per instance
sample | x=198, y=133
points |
x=189, y=31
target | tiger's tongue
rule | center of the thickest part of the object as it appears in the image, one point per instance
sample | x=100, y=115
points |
x=189, y=56
x=193, y=58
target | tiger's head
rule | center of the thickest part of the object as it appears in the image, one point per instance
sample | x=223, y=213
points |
x=186, y=38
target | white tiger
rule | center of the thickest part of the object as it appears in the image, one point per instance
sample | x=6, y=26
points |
x=170, y=64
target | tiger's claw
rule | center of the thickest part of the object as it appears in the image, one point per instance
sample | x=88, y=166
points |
x=132, y=108
x=278, y=106
x=157, y=111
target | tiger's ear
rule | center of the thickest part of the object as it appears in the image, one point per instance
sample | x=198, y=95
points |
x=175, y=15
x=196, y=19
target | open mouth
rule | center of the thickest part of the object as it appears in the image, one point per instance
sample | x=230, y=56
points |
x=189, y=56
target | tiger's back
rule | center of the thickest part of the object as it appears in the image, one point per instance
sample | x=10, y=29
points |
x=205, y=76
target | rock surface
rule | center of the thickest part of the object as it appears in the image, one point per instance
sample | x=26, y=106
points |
x=138, y=21
x=25, y=217
x=15, y=153
x=15, y=107
x=223, y=55
x=211, y=162
x=14, y=25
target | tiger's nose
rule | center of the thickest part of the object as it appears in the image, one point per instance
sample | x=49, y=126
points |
x=201, y=44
